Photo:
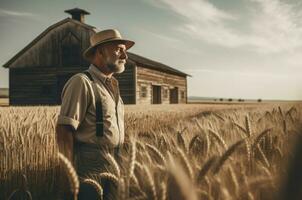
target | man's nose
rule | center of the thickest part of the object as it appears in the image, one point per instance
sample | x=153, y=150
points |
x=124, y=55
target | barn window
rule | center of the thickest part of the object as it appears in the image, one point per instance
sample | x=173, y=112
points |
x=70, y=54
x=165, y=93
x=143, y=91
x=182, y=94
x=71, y=50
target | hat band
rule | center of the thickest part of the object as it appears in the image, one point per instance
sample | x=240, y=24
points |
x=108, y=39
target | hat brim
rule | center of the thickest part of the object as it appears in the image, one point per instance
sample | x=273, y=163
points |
x=88, y=52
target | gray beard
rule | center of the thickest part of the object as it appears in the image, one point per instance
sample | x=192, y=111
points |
x=115, y=68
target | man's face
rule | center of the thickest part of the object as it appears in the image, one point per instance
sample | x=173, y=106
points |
x=114, y=56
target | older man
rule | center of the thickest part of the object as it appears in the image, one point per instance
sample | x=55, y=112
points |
x=91, y=119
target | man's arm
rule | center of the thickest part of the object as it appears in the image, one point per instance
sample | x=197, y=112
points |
x=75, y=98
x=64, y=137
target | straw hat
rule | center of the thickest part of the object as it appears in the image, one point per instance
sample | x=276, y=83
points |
x=105, y=36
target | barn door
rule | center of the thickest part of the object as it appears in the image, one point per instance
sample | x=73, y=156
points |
x=61, y=80
x=174, y=95
x=156, y=94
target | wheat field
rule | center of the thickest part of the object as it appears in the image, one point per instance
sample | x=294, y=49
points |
x=170, y=152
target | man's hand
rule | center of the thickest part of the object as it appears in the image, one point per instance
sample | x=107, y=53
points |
x=64, y=137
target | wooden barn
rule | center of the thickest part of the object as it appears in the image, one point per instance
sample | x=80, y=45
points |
x=39, y=71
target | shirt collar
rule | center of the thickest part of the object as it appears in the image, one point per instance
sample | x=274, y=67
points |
x=98, y=74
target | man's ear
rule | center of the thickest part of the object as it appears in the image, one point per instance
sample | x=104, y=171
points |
x=100, y=51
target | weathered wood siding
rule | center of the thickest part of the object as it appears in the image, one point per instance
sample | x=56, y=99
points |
x=148, y=77
x=43, y=85
x=59, y=47
x=37, y=86
x=38, y=75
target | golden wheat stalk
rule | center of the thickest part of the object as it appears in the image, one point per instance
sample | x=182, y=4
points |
x=134, y=180
x=109, y=176
x=226, y=155
x=218, y=116
x=139, y=165
x=261, y=136
x=234, y=180
x=218, y=138
x=151, y=182
x=193, y=141
x=186, y=163
x=248, y=126
x=98, y=188
x=206, y=167
x=248, y=150
x=122, y=189
x=132, y=159
x=179, y=185
x=264, y=158
x=241, y=128
x=181, y=141
x=280, y=111
x=72, y=175
x=157, y=153
x=208, y=141
x=114, y=164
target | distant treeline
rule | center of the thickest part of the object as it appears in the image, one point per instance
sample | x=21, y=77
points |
x=195, y=98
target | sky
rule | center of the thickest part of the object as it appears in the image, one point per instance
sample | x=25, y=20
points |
x=232, y=49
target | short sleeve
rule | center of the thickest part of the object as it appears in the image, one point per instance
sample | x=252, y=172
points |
x=75, y=99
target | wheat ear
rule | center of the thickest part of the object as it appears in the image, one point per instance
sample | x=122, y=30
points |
x=163, y=191
x=207, y=137
x=181, y=141
x=109, y=176
x=192, y=142
x=95, y=185
x=150, y=182
x=186, y=163
x=72, y=175
x=206, y=167
x=241, y=128
x=156, y=152
x=132, y=159
x=234, y=180
x=226, y=155
x=218, y=138
x=260, y=136
x=114, y=164
x=248, y=126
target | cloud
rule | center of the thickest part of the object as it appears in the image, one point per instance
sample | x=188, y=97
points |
x=226, y=73
x=199, y=10
x=276, y=28
x=172, y=42
x=273, y=26
x=15, y=13
x=161, y=36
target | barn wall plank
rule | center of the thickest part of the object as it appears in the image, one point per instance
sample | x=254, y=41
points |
x=48, y=51
x=148, y=77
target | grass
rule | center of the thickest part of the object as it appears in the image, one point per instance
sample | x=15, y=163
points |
x=170, y=152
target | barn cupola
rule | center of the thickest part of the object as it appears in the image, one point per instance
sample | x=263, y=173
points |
x=78, y=14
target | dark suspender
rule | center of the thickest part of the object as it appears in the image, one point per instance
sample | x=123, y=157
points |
x=98, y=108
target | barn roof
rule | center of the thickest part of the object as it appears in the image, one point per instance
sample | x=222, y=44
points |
x=32, y=43
x=144, y=62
